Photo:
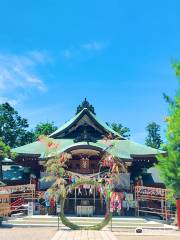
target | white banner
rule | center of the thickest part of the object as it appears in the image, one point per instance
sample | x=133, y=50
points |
x=30, y=208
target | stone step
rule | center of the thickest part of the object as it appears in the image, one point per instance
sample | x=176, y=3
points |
x=73, y=220
x=115, y=224
x=85, y=219
x=76, y=220
x=118, y=223
x=114, y=228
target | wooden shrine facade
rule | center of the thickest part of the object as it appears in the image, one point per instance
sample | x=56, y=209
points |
x=87, y=139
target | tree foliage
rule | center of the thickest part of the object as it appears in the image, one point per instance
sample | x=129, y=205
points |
x=44, y=129
x=13, y=128
x=170, y=165
x=154, y=138
x=119, y=128
x=5, y=152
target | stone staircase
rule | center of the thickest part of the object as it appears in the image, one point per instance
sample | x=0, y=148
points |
x=118, y=223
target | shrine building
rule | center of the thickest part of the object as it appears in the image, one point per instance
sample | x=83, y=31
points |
x=83, y=137
x=87, y=139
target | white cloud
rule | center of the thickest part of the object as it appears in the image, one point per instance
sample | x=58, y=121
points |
x=93, y=45
x=83, y=50
x=12, y=102
x=67, y=53
x=20, y=71
x=41, y=57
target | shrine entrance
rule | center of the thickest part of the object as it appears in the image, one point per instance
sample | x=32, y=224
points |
x=85, y=160
x=85, y=201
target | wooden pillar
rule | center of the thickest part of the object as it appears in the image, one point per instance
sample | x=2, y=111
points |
x=165, y=209
x=138, y=199
x=75, y=202
x=163, y=202
x=94, y=197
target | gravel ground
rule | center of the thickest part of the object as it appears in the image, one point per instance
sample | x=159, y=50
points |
x=27, y=233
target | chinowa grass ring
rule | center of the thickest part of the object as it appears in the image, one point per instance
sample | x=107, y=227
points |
x=74, y=226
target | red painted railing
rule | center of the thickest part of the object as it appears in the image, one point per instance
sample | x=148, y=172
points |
x=17, y=204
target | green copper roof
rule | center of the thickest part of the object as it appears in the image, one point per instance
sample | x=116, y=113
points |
x=133, y=149
x=78, y=116
x=120, y=147
x=124, y=149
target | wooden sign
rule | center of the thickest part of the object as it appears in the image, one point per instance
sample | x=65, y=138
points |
x=84, y=163
x=58, y=208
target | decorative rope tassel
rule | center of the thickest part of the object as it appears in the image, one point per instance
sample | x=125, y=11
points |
x=79, y=192
x=90, y=191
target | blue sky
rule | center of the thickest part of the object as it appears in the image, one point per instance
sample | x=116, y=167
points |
x=116, y=53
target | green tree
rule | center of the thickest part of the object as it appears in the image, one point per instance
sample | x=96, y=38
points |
x=44, y=129
x=13, y=128
x=118, y=127
x=154, y=138
x=5, y=151
x=169, y=165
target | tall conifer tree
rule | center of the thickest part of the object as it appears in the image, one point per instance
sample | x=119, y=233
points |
x=170, y=165
x=154, y=138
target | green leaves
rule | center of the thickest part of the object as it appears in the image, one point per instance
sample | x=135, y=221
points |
x=44, y=129
x=13, y=128
x=119, y=128
x=154, y=138
x=170, y=165
x=5, y=152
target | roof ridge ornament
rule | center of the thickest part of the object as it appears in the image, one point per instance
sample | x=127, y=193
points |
x=85, y=104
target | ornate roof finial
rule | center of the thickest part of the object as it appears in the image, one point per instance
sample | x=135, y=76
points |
x=85, y=104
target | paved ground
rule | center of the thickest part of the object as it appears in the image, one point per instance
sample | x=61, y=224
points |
x=27, y=233
x=53, y=234
x=147, y=237
x=84, y=235
x=36, y=233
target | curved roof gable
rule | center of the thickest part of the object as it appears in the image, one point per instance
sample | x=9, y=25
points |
x=84, y=116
